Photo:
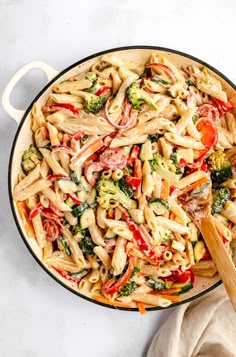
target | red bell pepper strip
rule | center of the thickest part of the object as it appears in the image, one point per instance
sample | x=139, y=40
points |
x=111, y=286
x=74, y=198
x=183, y=277
x=138, y=174
x=67, y=276
x=207, y=255
x=79, y=135
x=182, y=163
x=134, y=155
x=35, y=211
x=141, y=236
x=133, y=182
x=59, y=106
x=209, y=136
x=172, y=189
x=163, y=68
x=102, y=90
x=226, y=107
x=90, y=169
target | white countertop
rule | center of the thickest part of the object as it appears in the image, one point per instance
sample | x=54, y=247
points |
x=37, y=316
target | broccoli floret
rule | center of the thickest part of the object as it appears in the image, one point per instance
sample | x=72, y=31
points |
x=93, y=104
x=91, y=76
x=86, y=245
x=137, y=97
x=220, y=167
x=128, y=288
x=159, y=161
x=30, y=158
x=165, y=168
x=219, y=199
x=109, y=191
x=175, y=160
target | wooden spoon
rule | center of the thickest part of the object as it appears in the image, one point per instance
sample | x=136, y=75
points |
x=198, y=208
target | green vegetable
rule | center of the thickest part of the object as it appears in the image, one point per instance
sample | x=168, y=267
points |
x=79, y=210
x=91, y=76
x=128, y=169
x=153, y=137
x=184, y=287
x=190, y=82
x=220, y=167
x=74, y=177
x=125, y=187
x=93, y=104
x=110, y=234
x=77, y=229
x=109, y=191
x=137, y=97
x=27, y=166
x=84, y=139
x=219, y=199
x=27, y=163
x=159, y=206
x=161, y=235
x=137, y=215
x=165, y=168
x=86, y=245
x=199, y=250
x=87, y=218
x=156, y=285
x=157, y=79
x=205, y=72
x=64, y=222
x=105, y=67
x=61, y=241
x=128, y=288
x=80, y=274
x=175, y=159
x=195, y=118
x=172, y=92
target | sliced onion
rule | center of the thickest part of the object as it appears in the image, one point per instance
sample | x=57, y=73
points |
x=109, y=120
x=53, y=230
x=65, y=148
x=163, y=68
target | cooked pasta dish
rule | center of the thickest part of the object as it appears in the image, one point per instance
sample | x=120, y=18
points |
x=115, y=150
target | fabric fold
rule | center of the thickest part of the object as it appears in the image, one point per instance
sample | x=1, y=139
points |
x=205, y=327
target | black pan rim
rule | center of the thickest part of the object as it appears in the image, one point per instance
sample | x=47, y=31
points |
x=117, y=49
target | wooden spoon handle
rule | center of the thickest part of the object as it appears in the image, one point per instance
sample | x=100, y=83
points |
x=221, y=257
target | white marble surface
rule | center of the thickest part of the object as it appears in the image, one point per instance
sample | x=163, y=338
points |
x=37, y=316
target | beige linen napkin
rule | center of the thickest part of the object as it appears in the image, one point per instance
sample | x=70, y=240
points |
x=205, y=327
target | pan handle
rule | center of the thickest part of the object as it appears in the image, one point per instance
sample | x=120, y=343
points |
x=17, y=114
